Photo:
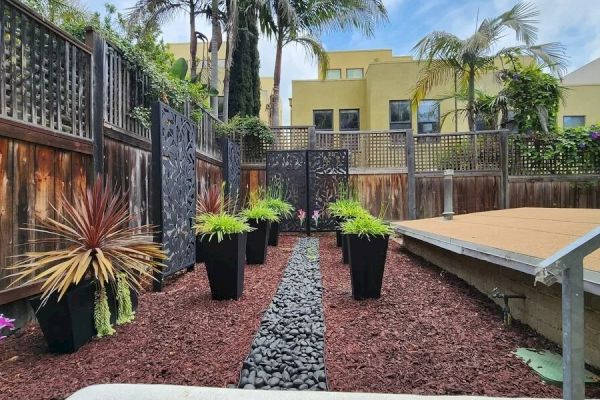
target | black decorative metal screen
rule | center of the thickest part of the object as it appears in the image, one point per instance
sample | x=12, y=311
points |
x=327, y=171
x=310, y=179
x=174, y=186
x=231, y=166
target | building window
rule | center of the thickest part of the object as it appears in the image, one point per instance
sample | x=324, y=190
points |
x=349, y=120
x=573, y=121
x=221, y=101
x=400, y=114
x=428, y=116
x=323, y=120
x=354, y=73
x=333, y=74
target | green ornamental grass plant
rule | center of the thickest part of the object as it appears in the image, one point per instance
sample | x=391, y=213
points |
x=220, y=225
x=260, y=211
x=367, y=226
x=345, y=209
x=282, y=208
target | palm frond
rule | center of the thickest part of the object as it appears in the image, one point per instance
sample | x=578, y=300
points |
x=314, y=48
x=435, y=73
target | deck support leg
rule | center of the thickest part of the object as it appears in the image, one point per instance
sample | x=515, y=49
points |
x=573, y=331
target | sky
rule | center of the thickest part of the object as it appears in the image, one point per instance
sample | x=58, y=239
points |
x=574, y=23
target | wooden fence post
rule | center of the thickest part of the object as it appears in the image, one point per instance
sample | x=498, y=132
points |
x=503, y=192
x=312, y=138
x=410, y=164
x=97, y=96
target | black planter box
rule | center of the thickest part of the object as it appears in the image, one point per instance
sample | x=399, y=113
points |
x=274, y=234
x=338, y=232
x=256, y=246
x=200, y=248
x=69, y=324
x=345, y=252
x=225, y=262
x=367, y=262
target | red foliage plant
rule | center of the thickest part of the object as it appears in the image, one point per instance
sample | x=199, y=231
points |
x=95, y=239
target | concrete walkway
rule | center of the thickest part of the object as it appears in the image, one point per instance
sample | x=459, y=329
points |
x=163, y=392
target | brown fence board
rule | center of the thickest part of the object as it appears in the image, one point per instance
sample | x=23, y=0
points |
x=6, y=204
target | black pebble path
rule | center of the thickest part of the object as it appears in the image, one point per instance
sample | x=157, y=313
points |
x=287, y=352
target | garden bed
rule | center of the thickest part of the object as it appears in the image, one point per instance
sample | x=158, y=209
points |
x=179, y=336
x=429, y=333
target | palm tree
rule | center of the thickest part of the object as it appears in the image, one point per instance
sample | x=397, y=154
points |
x=447, y=56
x=161, y=11
x=301, y=22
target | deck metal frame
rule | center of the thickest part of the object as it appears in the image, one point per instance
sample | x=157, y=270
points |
x=505, y=258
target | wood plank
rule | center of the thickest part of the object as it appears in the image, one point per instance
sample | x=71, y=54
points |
x=38, y=135
x=6, y=206
x=23, y=197
x=63, y=188
x=44, y=189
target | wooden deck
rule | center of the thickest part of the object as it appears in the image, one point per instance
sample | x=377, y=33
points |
x=517, y=238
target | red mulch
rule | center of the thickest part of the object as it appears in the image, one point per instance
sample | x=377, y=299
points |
x=180, y=336
x=429, y=333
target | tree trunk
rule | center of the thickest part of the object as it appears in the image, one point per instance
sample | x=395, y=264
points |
x=226, y=79
x=471, y=101
x=214, y=58
x=277, y=77
x=193, y=43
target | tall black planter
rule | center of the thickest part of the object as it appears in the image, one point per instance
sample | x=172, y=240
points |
x=225, y=262
x=200, y=248
x=274, y=234
x=256, y=247
x=345, y=253
x=367, y=262
x=69, y=324
x=338, y=232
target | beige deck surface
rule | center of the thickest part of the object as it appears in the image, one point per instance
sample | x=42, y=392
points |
x=537, y=232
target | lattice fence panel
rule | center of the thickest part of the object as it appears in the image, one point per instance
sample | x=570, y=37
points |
x=44, y=76
x=255, y=151
x=127, y=89
x=458, y=151
x=529, y=155
x=383, y=149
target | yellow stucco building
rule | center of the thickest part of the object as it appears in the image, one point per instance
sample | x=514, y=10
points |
x=266, y=83
x=371, y=90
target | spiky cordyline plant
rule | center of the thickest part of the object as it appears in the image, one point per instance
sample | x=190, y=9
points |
x=96, y=242
x=214, y=201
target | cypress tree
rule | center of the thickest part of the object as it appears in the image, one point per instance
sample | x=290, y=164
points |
x=244, y=86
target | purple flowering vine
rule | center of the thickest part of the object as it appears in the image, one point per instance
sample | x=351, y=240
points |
x=6, y=323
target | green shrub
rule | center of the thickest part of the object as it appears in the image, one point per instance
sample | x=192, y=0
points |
x=246, y=127
x=220, y=225
x=367, y=226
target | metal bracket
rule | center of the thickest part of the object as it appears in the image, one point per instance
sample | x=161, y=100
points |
x=550, y=274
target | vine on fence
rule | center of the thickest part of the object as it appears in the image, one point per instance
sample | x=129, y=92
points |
x=574, y=150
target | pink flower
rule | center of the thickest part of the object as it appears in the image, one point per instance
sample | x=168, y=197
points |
x=315, y=216
x=301, y=214
x=6, y=323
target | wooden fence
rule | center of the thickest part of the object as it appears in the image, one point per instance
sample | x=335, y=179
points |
x=65, y=117
x=401, y=173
